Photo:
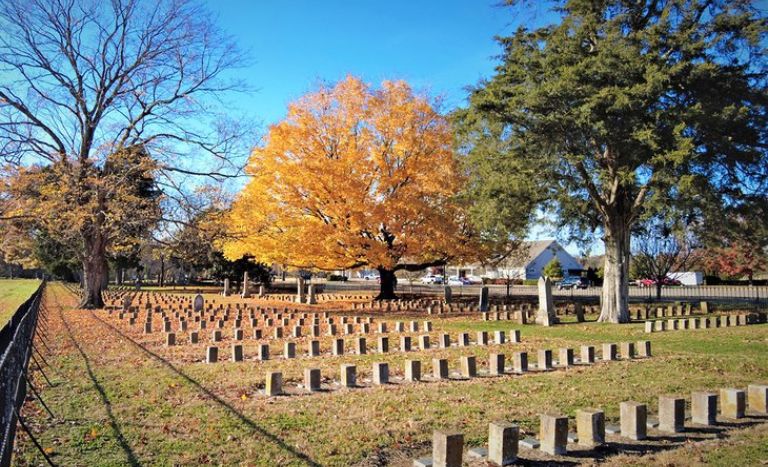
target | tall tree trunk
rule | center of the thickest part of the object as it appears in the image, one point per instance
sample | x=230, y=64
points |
x=161, y=282
x=119, y=275
x=386, y=284
x=94, y=272
x=659, y=284
x=105, y=277
x=615, y=297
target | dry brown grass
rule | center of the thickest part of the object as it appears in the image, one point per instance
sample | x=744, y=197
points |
x=121, y=397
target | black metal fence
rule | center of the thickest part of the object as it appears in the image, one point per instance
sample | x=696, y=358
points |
x=15, y=352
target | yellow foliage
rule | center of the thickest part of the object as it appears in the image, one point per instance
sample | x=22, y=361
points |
x=72, y=202
x=352, y=177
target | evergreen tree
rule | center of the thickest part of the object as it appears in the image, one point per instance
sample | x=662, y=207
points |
x=553, y=269
x=625, y=108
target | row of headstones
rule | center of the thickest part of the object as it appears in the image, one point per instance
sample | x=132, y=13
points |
x=116, y=295
x=497, y=363
x=704, y=322
x=413, y=368
x=504, y=442
x=670, y=311
x=338, y=296
x=361, y=343
x=432, y=306
x=278, y=324
x=154, y=300
x=398, y=304
x=225, y=314
x=160, y=302
x=524, y=316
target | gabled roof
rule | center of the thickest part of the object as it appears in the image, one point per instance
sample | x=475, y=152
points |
x=529, y=251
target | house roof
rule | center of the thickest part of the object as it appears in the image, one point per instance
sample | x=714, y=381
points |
x=529, y=251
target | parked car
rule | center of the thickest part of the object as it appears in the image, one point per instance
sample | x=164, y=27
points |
x=652, y=282
x=432, y=279
x=474, y=279
x=573, y=283
x=371, y=276
x=453, y=280
x=306, y=275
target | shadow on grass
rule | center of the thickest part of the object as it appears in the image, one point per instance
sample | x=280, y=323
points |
x=129, y=454
x=247, y=421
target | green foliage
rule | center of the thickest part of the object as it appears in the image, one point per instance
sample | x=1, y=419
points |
x=553, y=269
x=625, y=106
x=55, y=257
x=222, y=268
x=624, y=109
x=501, y=193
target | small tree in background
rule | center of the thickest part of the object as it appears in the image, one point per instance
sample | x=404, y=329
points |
x=553, y=269
x=658, y=250
x=738, y=260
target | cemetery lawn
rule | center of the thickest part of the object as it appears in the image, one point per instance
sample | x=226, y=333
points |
x=13, y=292
x=121, y=398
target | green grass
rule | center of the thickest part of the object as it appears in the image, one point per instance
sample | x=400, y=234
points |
x=117, y=405
x=13, y=292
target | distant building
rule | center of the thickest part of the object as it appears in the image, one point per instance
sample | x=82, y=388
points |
x=527, y=266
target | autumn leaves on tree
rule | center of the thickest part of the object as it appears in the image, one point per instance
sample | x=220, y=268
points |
x=354, y=177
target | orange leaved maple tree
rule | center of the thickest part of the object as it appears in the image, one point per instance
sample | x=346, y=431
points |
x=353, y=177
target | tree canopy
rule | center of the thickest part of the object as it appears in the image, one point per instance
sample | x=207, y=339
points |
x=353, y=177
x=625, y=108
x=85, y=82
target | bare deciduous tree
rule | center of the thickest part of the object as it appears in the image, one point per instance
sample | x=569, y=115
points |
x=83, y=79
x=659, y=250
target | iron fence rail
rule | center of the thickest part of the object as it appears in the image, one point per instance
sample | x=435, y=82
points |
x=15, y=351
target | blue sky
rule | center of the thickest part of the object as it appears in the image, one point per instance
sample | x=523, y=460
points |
x=437, y=46
x=440, y=47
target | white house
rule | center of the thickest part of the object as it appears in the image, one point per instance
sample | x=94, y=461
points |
x=528, y=265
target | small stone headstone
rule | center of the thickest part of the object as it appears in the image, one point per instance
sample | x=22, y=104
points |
x=311, y=296
x=246, y=290
x=199, y=303
x=299, y=290
x=546, y=313
x=529, y=443
x=579, y=308
x=483, y=299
